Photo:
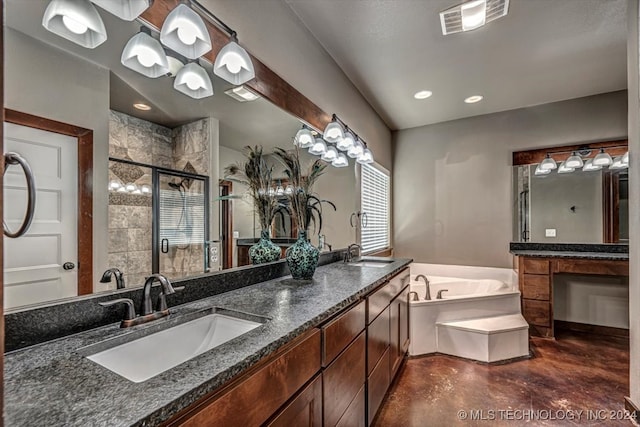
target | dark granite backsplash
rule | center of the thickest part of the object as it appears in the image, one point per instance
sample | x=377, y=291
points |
x=29, y=326
x=613, y=248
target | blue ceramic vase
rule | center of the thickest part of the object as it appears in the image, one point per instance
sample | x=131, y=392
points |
x=265, y=250
x=302, y=257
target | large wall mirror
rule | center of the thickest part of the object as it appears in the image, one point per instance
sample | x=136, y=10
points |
x=563, y=204
x=157, y=173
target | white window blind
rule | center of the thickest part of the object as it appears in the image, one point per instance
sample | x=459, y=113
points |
x=375, y=195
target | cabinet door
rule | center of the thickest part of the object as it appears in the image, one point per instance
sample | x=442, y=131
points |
x=304, y=410
x=377, y=339
x=404, y=321
x=377, y=385
x=394, y=334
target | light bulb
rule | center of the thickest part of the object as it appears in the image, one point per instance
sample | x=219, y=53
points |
x=74, y=26
x=233, y=62
x=187, y=32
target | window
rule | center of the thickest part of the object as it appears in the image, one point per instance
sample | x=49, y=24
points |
x=374, y=202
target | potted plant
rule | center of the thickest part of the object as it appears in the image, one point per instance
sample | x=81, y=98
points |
x=256, y=174
x=306, y=207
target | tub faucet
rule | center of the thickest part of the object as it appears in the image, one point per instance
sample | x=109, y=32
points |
x=427, y=294
x=115, y=272
x=439, y=296
x=413, y=296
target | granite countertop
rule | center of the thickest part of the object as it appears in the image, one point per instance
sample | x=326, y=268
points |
x=608, y=256
x=52, y=384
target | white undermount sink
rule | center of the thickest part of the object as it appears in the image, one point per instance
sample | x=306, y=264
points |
x=140, y=359
x=376, y=262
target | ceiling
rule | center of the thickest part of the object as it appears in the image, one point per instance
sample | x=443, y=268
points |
x=241, y=124
x=542, y=51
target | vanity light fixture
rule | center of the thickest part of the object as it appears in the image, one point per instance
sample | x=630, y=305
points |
x=114, y=185
x=539, y=171
x=574, y=161
x=423, y=94
x=330, y=155
x=193, y=81
x=471, y=15
x=563, y=168
x=618, y=164
x=334, y=132
x=130, y=187
x=75, y=20
x=127, y=10
x=602, y=159
x=365, y=158
x=145, y=189
x=288, y=190
x=233, y=63
x=185, y=32
x=590, y=166
x=304, y=138
x=242, y=94
x=356, y=150
x=142, y=107
x=279, y=189
x=145, y=55
x=548, y=163
x=176, y=62
x=625, y=159
x=473, y=99
x=319, y=147
x=346, y=142
x=340, y=161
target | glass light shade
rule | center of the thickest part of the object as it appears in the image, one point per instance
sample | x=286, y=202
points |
x=618, y=164
x=590, y=166
x=474, y=14
x=193, y=81
x=114, y=185
x=288, y=190
x=548, y=163
x=356, y=149
x=319, y=147
x=185, y=32
x=271, y=192
x=333, y=132
x=75, y=20
x=233, y=64
x=330, y=155
x=304, y=138
x=539, y=171
x=625, y=158
x=574, y=161
x=346, y=142
x=146, y=189
x=127, y=10
x=366, y=157
x=279, y=190
x=341, y=161
x=563, y=168
x=122, y=190
x=130, y=187
x=145, y=55
x=602, y=159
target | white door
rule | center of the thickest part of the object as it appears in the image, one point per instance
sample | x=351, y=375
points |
x=33, y=263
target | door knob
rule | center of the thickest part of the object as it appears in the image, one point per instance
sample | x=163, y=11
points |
x=68, y=266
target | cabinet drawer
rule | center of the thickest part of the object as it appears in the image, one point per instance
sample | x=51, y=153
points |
x=378, y=338
x=251, y=400
x=535, y=266
x=338, y=333
x=536, y=312
x=342, y=380
x=304, y=410
x=398, y=282
x=377, y=385
x=378, y=301
x=535, y=287
x=354, y=416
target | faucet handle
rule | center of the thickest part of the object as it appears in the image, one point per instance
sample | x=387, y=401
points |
x=131, y=311
x=162, y=300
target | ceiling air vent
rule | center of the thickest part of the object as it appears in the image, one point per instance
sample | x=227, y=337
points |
x=471, y=15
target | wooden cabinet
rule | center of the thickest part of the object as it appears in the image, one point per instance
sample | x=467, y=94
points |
x=377, y=339
x=399, y=329
x=339, y=332
x=354, y=416
x=377, y=384
x=304, y=410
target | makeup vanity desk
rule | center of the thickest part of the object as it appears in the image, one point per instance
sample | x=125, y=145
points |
x=537, y=263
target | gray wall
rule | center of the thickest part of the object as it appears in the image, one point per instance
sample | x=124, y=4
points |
x=551, y=199
x=71, y=91
x=452, y=181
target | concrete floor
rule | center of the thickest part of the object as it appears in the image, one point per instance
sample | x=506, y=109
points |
x=574, y=373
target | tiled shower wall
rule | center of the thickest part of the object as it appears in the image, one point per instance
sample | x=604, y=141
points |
x=185, y=148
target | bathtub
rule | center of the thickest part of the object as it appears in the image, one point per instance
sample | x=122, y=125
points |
x=465, y=298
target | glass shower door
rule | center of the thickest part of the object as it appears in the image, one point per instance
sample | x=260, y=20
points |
x=182, y=225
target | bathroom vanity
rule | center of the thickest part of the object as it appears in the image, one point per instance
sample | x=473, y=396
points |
x=326, y=354
x=538, y=263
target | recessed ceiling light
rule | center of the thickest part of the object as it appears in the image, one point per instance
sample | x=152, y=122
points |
x=423, y=94
x=473, y=99
x=141, y=106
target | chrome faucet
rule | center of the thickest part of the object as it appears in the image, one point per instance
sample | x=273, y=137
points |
x=427, y=294
x=348, y=257
x=115, y=272
x=439, y=296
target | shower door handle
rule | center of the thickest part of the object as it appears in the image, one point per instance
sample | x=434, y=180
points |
x=17, y=159
x=164, y=246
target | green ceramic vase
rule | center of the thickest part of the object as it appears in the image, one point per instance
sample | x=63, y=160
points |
x=302, y=257
x=265, y=250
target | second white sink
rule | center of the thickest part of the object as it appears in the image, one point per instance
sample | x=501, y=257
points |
x=145, y=357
